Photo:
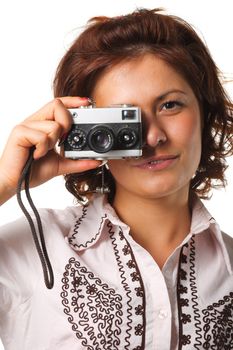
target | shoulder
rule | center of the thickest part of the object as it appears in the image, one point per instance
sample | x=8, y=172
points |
x=19, y=261
x=49, y=217
x=16, y=238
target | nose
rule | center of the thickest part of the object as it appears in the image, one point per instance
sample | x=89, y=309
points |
x=153, y=133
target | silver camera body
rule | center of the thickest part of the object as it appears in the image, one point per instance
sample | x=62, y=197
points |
x=104, y=133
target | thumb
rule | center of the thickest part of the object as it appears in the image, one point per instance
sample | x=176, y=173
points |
x=68, y=166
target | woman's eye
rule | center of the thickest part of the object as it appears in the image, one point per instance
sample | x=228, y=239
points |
x=170, y=105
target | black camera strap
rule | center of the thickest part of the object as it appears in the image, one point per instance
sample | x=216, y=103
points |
x=38, y=238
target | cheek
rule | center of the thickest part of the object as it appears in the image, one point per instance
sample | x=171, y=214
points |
x=188, y=137
x=119, y=170
x=116, y=166
x=187, y=132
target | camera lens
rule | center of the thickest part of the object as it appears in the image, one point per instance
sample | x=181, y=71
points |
x=101, y=139
x=77, y=139
x=127, y=138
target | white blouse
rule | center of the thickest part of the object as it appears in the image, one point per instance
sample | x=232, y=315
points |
x=109, y=292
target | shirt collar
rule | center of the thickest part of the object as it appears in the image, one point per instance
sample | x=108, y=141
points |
x=89, y=226
x=203, y=220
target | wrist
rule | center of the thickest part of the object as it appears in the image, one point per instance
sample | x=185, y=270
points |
x=6, y=191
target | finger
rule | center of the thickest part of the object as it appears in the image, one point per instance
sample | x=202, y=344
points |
x=24, y=137
x=68, y=166
x=74, y=101
x=57, y=110
x=51, y=128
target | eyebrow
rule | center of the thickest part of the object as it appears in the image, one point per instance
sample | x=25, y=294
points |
x=159, y=98
x=165, y=94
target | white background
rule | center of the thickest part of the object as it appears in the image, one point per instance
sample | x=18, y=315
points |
x=34, y=36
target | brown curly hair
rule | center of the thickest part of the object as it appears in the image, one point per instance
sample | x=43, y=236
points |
x=107, y=41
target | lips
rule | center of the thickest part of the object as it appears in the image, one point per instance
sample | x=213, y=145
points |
x=156, y=162
x=155, y=159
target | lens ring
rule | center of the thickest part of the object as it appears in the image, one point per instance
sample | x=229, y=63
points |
x=77, y=139
x=127, y=138
x=101, y=139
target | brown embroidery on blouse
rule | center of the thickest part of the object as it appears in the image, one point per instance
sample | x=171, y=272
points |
x=72, y=239
x=94, y=309
x=218, y=320
x=76, y=227
x=212, y=327
x=128, y=269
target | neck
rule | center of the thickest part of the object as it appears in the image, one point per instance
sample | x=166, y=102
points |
x=158, y=225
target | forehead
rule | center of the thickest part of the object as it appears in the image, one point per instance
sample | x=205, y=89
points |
x=143, y=76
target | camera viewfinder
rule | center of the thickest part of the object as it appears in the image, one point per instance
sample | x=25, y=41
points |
x=128, y=114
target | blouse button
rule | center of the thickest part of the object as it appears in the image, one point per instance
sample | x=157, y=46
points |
x=163, y=314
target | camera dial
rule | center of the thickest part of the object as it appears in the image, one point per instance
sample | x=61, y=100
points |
x=77, y=139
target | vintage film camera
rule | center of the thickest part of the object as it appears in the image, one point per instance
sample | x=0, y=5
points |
x=104, y=133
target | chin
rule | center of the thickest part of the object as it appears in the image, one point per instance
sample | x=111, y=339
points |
x=163, y=188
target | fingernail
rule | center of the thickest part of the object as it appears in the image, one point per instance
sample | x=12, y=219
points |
x=90, y=100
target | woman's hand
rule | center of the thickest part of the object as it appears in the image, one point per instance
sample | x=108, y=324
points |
x=42, y=130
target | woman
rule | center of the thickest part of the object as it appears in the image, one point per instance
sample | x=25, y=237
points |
x=146, y=266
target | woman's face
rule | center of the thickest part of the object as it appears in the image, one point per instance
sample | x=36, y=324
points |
x=170, y=112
